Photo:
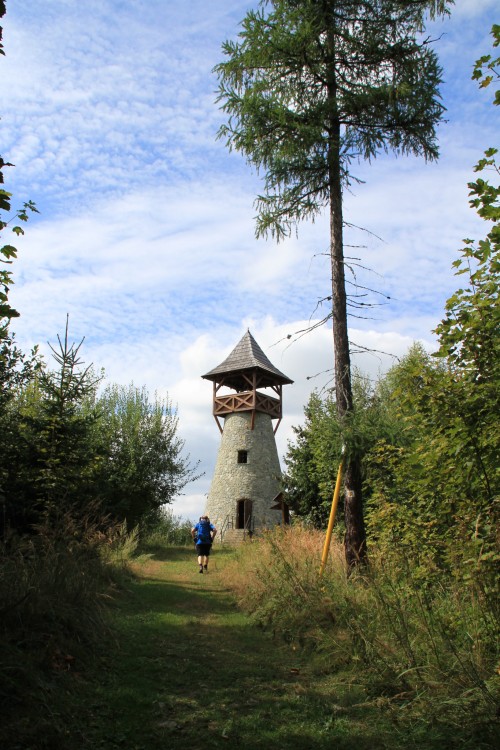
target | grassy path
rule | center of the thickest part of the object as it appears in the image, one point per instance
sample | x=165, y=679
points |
x=190, y=671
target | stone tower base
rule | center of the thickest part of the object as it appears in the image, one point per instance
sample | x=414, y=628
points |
x=247, y=475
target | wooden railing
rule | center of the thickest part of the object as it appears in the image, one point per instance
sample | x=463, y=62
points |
x=247, y=401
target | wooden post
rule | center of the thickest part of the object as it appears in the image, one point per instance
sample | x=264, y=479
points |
x=333, y=511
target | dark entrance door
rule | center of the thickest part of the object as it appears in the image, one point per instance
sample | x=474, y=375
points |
x=243, y=513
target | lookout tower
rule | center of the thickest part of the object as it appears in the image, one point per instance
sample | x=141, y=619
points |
x=247, y=397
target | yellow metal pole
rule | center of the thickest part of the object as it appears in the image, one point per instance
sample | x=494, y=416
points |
x=333, y=512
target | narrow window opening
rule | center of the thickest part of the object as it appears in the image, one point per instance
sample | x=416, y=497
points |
x=242, y=457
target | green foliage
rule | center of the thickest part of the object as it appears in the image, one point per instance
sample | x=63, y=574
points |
x=436, y=492
x=60, y=429
x=309, y=86
x=312, y=461
x=66, y=449
x=16, y=372
x=492, y=66
x=49, y=458
x=142, y=467
x=468, y=335
x=8, y=253
x=450, y=470
x=402, y=513
x=429, y=441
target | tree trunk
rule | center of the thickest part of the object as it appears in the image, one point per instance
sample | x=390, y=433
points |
x=355, y=537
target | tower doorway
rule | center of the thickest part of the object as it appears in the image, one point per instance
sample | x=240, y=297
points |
x=243, y=513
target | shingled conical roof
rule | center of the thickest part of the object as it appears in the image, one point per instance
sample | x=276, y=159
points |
x=247, y=356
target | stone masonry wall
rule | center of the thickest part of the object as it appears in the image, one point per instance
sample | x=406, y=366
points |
x=258, y=480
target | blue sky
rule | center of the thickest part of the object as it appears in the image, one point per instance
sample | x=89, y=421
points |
x=146, y=234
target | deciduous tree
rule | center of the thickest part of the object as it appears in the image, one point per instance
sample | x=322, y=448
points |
x=142, y=463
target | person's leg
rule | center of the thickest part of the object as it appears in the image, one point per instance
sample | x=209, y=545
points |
x=207, y=555
x=200, y=560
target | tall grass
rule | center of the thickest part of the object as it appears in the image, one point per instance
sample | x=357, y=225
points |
x=54, y=588
x=431, y=653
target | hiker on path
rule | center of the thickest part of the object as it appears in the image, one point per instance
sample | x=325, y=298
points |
x=203, y=534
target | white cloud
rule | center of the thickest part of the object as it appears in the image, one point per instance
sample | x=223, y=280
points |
x=473, y=8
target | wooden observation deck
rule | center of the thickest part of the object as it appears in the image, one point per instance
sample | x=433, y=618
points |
x=244, y=371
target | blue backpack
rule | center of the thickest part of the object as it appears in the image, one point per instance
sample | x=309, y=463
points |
x=204, y=536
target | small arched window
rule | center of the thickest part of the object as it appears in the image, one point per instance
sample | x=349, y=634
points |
x=242, y=457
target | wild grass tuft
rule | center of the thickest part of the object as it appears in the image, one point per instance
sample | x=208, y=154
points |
x=429, y=652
